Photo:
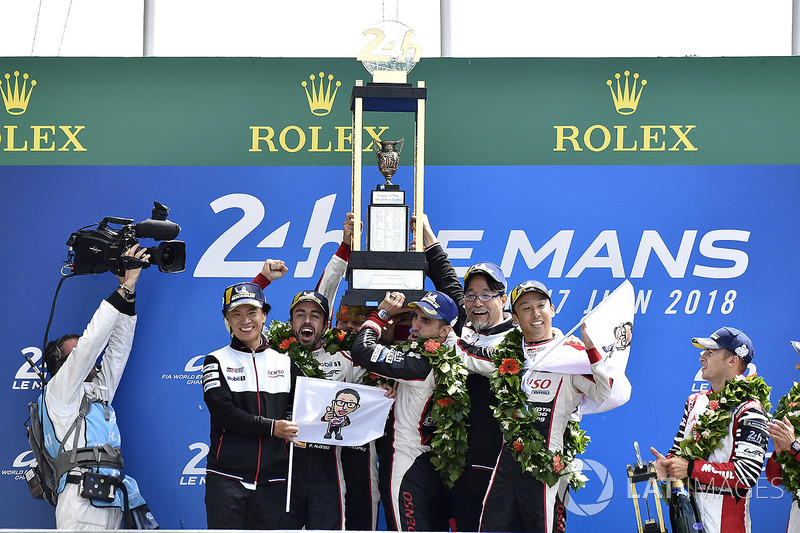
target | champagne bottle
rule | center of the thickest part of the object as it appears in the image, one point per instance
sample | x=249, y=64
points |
x=682, y=515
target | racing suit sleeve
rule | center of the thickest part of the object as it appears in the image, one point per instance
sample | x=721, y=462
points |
x=476, y=360
x=676, y=443
x=596, y=385
x=334, y=272
x=749, y=448
x=113, y=324
x=385, y=360
x=220, y=404
x=445, y=280
x=775, y=470
x=356, y=373
x=261, y=280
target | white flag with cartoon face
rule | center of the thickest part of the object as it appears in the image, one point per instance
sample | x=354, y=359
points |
x=342, y=414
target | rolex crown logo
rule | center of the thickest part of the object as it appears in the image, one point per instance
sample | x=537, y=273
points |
x=16, y=100
x=320, y=98
x=626, y=100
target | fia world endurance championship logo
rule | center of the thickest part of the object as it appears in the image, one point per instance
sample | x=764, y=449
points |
x=605, y=486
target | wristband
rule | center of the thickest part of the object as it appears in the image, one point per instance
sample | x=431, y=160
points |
x=130, y=294
x=795, y=447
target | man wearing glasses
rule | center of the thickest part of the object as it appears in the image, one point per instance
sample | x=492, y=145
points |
x=483, y=322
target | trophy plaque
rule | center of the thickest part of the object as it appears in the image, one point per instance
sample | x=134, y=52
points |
x=387, y=264
x=387, y=212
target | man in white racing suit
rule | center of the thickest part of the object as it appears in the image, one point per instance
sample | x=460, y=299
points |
x=515, y=500
x=417, y=496
x=721, y=482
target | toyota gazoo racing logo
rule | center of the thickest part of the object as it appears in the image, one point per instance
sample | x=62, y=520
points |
x=589, y=504
x=22, y=462
x=192, y=371
x=192, y=474
x=26, y=377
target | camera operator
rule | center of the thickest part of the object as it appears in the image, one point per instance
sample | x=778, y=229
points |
x=78, y=416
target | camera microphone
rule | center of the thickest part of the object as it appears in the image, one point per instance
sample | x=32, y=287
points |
x=159, y=230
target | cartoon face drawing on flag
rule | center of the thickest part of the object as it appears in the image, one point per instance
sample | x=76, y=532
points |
x=324, y=408
x=623, y=334
x=336, y=414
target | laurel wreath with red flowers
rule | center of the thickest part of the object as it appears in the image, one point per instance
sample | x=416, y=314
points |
x=516, y=417
x=712, y=425
x=282, y=339
x=450, y=408
x=789, y=407
x=335, y=340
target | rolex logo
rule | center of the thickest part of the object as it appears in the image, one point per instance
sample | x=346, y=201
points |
x=14, y=98
x=320, y=99
x=626, y=100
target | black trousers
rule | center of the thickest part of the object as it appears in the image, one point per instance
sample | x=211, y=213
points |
x=467, y=498
x=229, y=505
x=515, y=501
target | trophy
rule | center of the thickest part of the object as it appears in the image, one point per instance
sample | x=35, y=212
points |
x=387, y=213
x=645, y=472
x=387, y=264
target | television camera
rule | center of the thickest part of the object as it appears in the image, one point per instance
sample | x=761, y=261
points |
x=97, y=250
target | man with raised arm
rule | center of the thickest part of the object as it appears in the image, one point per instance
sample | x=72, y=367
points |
x=417, y=496
x=79, y=423
x=483, y=322
x=534, y=498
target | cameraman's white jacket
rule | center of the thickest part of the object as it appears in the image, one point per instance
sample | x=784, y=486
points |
x=111, y=327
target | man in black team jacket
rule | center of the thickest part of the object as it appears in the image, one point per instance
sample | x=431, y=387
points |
x=248, y=388
x=483, y=322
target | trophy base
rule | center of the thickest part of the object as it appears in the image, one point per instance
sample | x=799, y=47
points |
x=371, y=274
x=651, y=526
x=371, y=298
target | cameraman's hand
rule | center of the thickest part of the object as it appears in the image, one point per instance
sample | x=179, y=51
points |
x=273, y=269
x=132, y=275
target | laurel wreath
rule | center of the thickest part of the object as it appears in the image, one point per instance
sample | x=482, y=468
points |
x=516, y=417
x=788, y=407
x=282, y=339
x=337, y=340
x=712, y=425
x=450, y=409
x=450, y=406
